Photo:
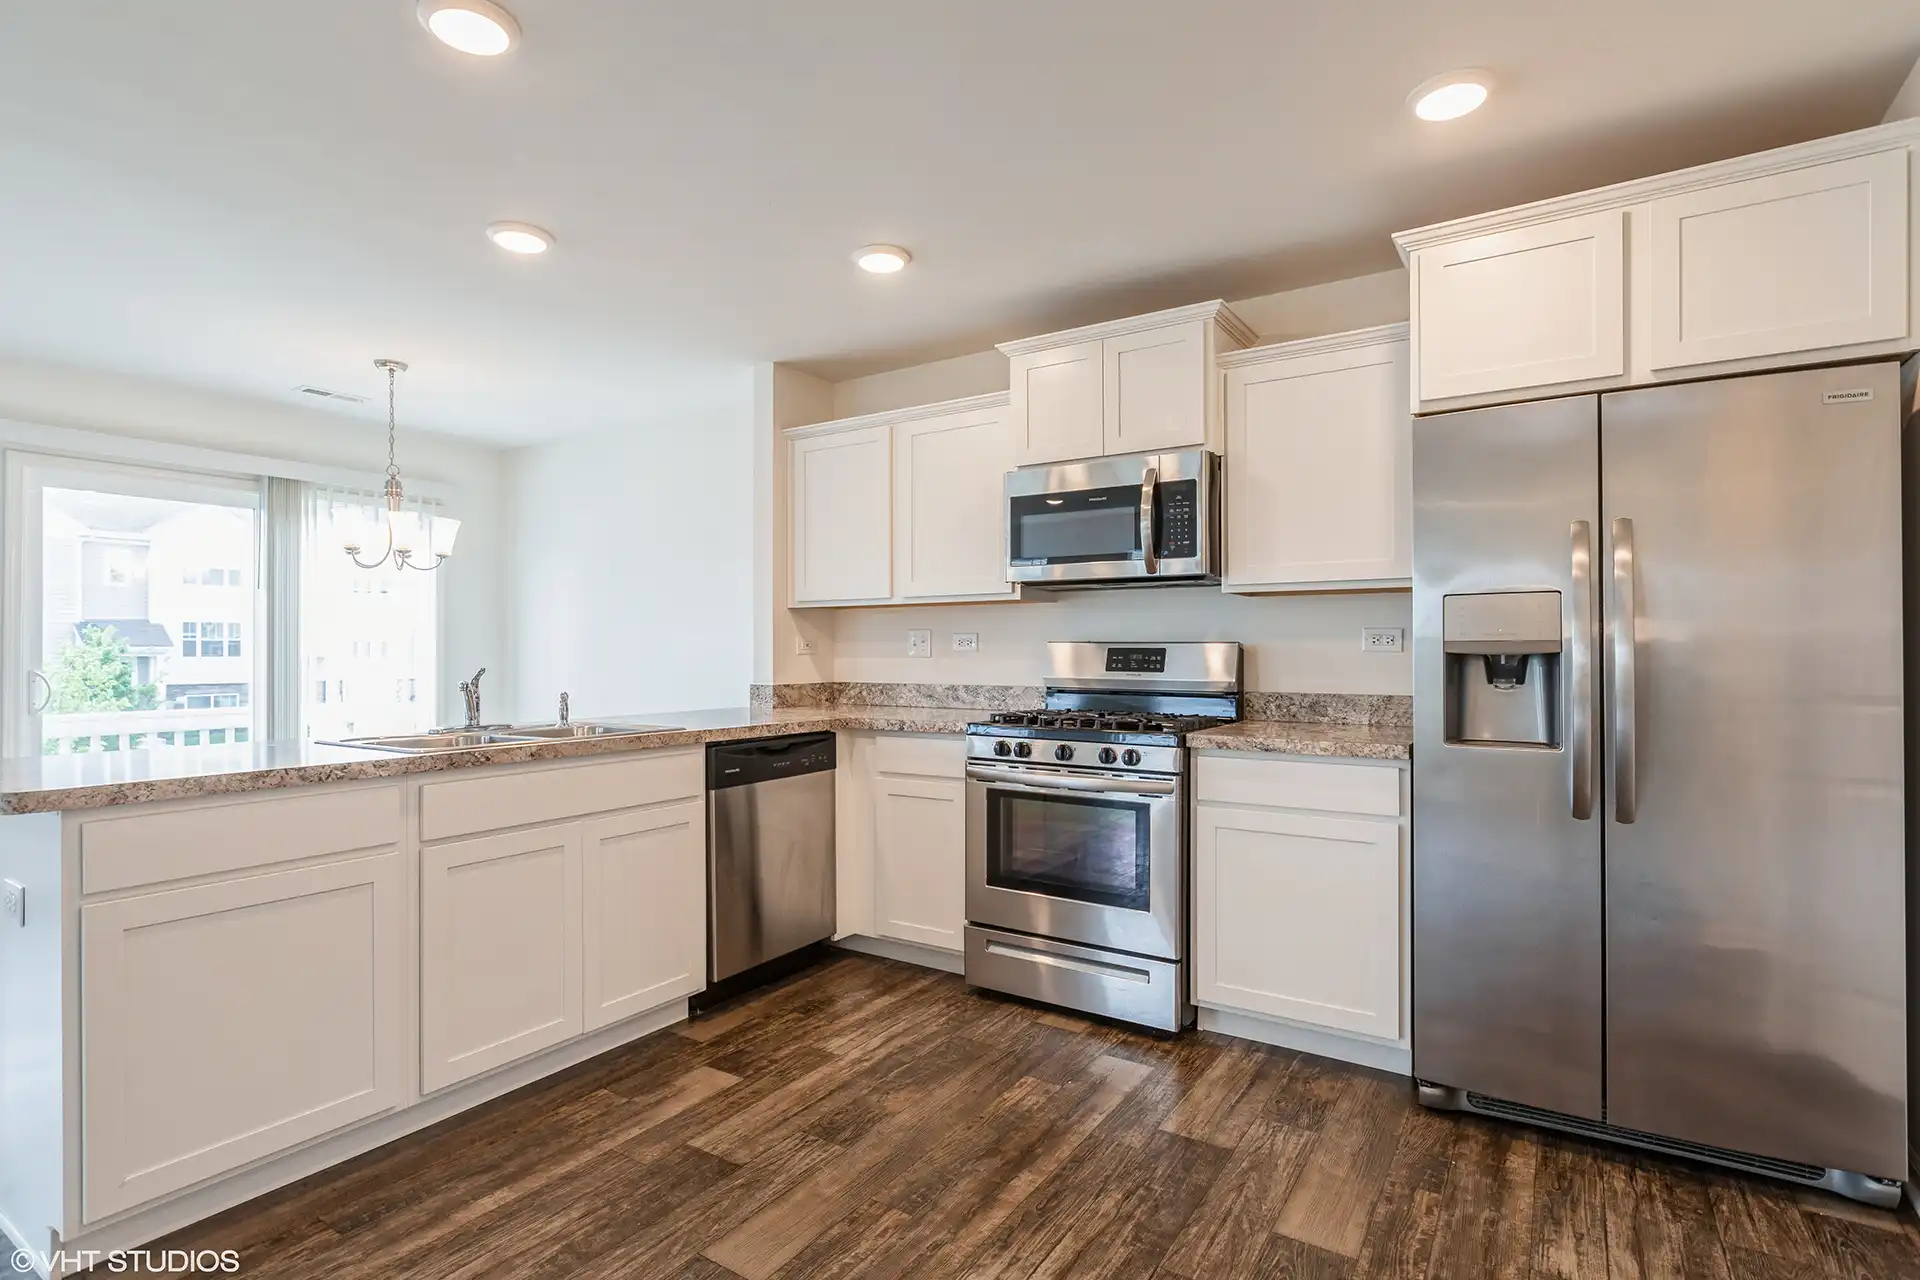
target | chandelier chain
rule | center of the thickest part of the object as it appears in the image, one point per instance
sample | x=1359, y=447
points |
x=393, y=467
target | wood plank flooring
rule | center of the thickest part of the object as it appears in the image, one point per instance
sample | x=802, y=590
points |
x=868, y=1118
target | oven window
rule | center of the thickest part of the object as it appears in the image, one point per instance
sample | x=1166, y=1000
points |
x=1088, y=849
x=1075, y=528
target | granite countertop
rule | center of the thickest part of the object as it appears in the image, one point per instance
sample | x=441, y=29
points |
x=96, y=780
x=1309, y=738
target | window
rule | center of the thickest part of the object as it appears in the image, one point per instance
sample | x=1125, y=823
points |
x=215, y=737
x=189, y=639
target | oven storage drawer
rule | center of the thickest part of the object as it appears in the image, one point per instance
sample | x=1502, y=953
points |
x=1152, y=993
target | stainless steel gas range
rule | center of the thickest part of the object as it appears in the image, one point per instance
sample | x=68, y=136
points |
x=1077, y=829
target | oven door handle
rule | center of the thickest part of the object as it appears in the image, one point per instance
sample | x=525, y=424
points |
x=1035, y=783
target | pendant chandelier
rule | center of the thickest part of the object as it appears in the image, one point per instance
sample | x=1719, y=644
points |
x=414, y=540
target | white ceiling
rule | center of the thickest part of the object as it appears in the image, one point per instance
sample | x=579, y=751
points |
x=249, y=194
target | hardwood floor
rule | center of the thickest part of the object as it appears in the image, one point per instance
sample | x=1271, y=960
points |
x=872, y=1119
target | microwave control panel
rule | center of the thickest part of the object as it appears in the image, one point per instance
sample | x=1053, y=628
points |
x=1179, y=519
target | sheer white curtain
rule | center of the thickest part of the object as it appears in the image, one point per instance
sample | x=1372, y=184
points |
x=368, y=640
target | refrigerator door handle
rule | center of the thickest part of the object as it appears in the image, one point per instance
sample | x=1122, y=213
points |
x=1580, y=673
x=1626, y=788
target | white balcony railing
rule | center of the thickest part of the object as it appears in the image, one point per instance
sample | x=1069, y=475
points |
x=166, y=730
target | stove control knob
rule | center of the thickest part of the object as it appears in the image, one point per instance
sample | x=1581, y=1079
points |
x=1022, y=750
x=1063, y=752
x=1003, y=748
x=1130, y=757
x=1108, y=755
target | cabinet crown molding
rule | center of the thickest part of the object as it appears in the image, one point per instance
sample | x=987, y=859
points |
x=1377, y=336
x=1621, y=195
x=1216, y=311
x=888, y=417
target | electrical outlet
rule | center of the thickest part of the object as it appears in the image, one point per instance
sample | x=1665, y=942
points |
x=966, y=642
x=802, y=646
x=1381, y=639
x=13, y=895
x=919, y=644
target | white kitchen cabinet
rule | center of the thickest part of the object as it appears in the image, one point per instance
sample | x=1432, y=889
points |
x=231, y=1020
x=1803, y=255
x=644, y=881
x=1141, y=385
x=1797, y=261
x=920, y=838
x=500, y=950
x=949, y=516
x=842, y=514
x=1531, y=307
x=1319, y=464
x=1156, y=389
x=1057, y=395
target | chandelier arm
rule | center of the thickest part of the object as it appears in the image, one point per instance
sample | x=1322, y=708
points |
x=405, y=560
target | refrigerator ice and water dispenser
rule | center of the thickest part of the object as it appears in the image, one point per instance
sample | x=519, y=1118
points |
x=1503, y=668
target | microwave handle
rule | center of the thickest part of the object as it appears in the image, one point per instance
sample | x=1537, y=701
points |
x=1148, y=484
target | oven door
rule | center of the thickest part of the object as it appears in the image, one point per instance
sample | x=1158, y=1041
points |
x=1141, y=517
x=1084, y=857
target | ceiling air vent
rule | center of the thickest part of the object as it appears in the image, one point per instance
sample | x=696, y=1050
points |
x=321, y=393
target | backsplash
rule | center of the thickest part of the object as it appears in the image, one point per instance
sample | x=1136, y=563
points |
x=1300, y=708
x=1330, y=708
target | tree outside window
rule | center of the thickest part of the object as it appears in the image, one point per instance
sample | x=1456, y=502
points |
x=96, y=674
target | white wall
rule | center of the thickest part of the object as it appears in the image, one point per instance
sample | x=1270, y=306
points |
x=1906, y=103
x=633, y=566
x=1296, y=644
x=474, y=586
x=783, y=398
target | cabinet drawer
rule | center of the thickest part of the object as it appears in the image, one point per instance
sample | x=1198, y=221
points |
x=1796, y=261
x=499, y=800
x=152, y=848
x=929, y=757
x=1373, y=790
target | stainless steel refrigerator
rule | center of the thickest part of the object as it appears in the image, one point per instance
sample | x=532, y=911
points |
x=1659, y=870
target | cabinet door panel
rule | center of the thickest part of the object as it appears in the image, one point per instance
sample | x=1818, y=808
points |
x=1790, y=262
x=1298, y=917
x=644, y=878
x=500, y=950
x=949, y=478
x=1319, y=470
x=1056, y=400
x=843, y=516
x=230, y=1021
x=920, y=859
x=1156, y=389
x=1525, y=308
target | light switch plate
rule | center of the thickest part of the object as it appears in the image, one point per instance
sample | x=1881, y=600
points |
x=966, y=642
x=1382, y=639
x=13, y=897
x=920, y=644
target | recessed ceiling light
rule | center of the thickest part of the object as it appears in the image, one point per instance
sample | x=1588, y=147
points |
x=1450, y=96
x=478, y=27
x=520, y=237
x=882, y=259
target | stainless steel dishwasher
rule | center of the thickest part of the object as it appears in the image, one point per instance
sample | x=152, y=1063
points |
x=770, y=830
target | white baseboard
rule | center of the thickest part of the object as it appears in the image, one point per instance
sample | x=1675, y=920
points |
x=140, y=1226
x=1359, y=1050
x=906, y=952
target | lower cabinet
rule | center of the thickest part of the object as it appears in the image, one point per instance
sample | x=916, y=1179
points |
x=645, y=876
x=920, y=873
x=500, y=950
x=1299, y=915
x=230, y=1020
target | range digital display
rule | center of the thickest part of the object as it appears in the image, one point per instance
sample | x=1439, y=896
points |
x=1134, y=659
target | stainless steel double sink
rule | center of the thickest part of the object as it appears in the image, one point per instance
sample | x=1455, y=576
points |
x=498, y=735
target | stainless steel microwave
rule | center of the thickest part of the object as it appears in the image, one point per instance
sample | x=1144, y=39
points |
x=1113, y=522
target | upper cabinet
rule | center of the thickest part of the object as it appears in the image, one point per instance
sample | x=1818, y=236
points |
x=842, y=514
x=1319, y=464
x=902, y=506
x=1797, y=256
x=1133, y=386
